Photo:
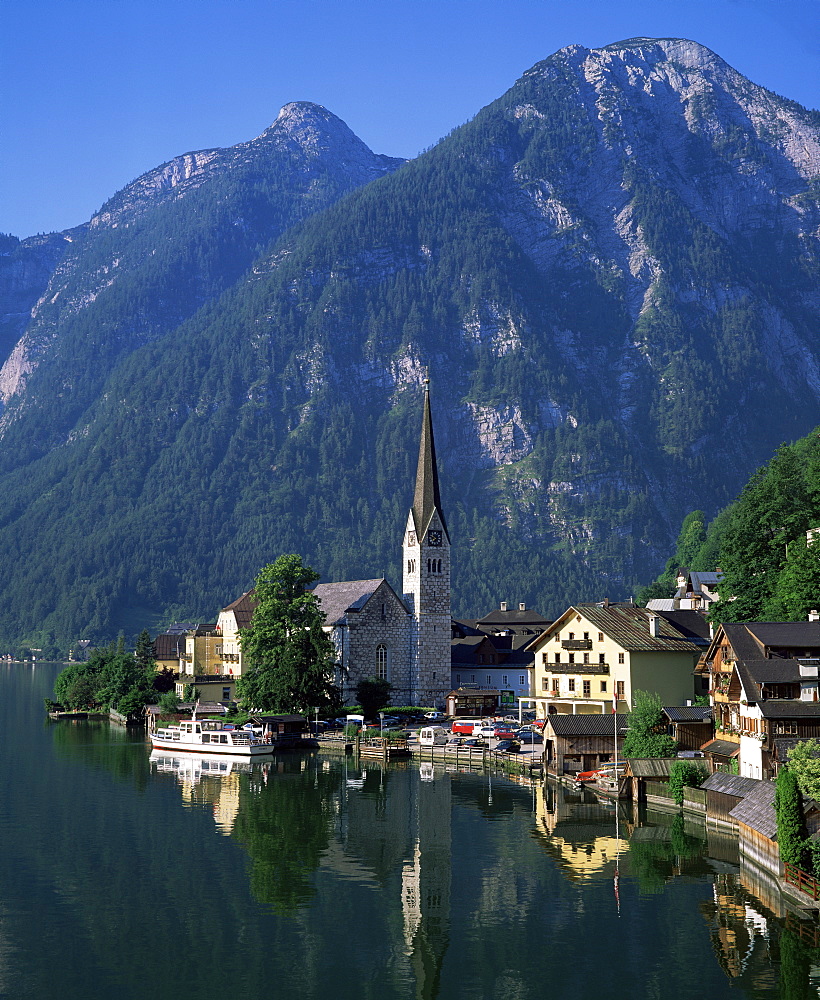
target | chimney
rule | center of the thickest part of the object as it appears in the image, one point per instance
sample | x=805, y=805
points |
x=711, y=630
x=606, y=602
x=653, y=625
x=814, y=615
x=503, y=605
x=522, y=606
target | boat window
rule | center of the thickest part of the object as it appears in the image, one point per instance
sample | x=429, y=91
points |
x=206, y=737
x=223, y=738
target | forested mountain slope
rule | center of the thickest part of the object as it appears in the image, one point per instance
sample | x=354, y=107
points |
x=611, y=274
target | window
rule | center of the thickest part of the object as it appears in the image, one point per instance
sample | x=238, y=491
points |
x=620, y=657
x=522, y=680
x=544, y=684
x=587, y=688
x=458, y=678
x=226, y=694
x=572, y=657
x=489, y=681
x=557, y=636
x=601, y=658
x=619, y=688
x=472, y=678
x=603, y=687
x=504, y=680
x=586, y=636
x=556, y=685
x=600, y=637
x=571, y=636
x=381, y=662
x=586, y=657
x=571, y=683
x=544, y=658
x=557, y=657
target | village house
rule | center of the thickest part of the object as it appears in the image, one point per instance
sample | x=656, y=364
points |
x=595, y=654
x=491, y=653
x=694, y=591
x=764, y=684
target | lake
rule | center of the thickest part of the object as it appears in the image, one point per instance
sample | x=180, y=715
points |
x=311, y=877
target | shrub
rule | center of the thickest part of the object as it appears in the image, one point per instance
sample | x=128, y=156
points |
x=685, y=773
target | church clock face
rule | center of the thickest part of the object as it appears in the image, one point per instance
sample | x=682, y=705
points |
x=434, y=538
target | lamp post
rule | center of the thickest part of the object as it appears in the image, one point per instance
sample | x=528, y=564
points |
x=381, y=726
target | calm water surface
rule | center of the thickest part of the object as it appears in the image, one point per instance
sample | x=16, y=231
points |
x=308, y=877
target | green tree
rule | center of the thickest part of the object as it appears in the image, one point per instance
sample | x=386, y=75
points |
x=791, y=834
x=685, y=774
x=144, y=653
x=646, y=736
x=289, y=657
x=798, y=584
x=373, y=693
x=804, y=763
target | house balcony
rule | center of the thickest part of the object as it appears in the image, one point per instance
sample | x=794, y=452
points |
x=575, y=668
x=576, y=644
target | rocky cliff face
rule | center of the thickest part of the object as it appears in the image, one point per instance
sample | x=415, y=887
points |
x=236, y=199
x=610, y=274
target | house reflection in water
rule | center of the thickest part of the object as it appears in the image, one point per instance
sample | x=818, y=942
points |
x=579, y=831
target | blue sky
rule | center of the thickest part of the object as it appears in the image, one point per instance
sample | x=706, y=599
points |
x=95, y=92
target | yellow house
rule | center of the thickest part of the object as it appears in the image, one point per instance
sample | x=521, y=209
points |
x=595, y=653
x=202, y=665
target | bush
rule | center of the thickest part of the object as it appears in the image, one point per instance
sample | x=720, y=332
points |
x=682, y=774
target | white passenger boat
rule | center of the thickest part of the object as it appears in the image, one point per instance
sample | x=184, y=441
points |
x=212, y=736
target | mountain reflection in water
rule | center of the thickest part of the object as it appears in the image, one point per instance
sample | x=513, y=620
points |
x=131, y=876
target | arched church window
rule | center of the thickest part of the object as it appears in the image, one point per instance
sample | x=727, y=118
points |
x=381, y=661
x=438, y=570
x=429, y=565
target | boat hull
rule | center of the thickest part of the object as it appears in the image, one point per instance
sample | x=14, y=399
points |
x=228, y=749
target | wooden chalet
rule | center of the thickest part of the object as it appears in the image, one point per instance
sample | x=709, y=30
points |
x=690, y=725
x=574, y=743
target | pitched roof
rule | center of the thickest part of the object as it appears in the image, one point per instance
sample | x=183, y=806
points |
x=799, y=635
x=650, y=767
x=723, y=748
x=243, y=608
x=729, y=784
x=691, y=624
x=587, y=725
x=661, y=604
x=169, y=645
x=628, y=625
x=515, y=617
x=756, y=809
x=688, y=713
x=336, y=599
x=789, y=708
x=427, y=498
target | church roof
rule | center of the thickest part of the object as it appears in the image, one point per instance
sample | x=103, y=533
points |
x=427, y=498
x=336, y=599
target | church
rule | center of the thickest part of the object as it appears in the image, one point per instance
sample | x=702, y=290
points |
x=404, y=637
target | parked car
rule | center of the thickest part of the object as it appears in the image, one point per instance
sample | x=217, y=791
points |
x=530, y=737
x=504, y=733
x=507, y=746
x=485, y=732
x=391, y=720
x=466, y=727
x=473, y=742
x=434, y=716
x=688, y=754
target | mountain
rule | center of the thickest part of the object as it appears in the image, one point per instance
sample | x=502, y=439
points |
x=165, y=245
x=611, y=274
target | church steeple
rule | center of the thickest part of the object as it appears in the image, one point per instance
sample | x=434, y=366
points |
x=427, y=498
x=426, y=577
